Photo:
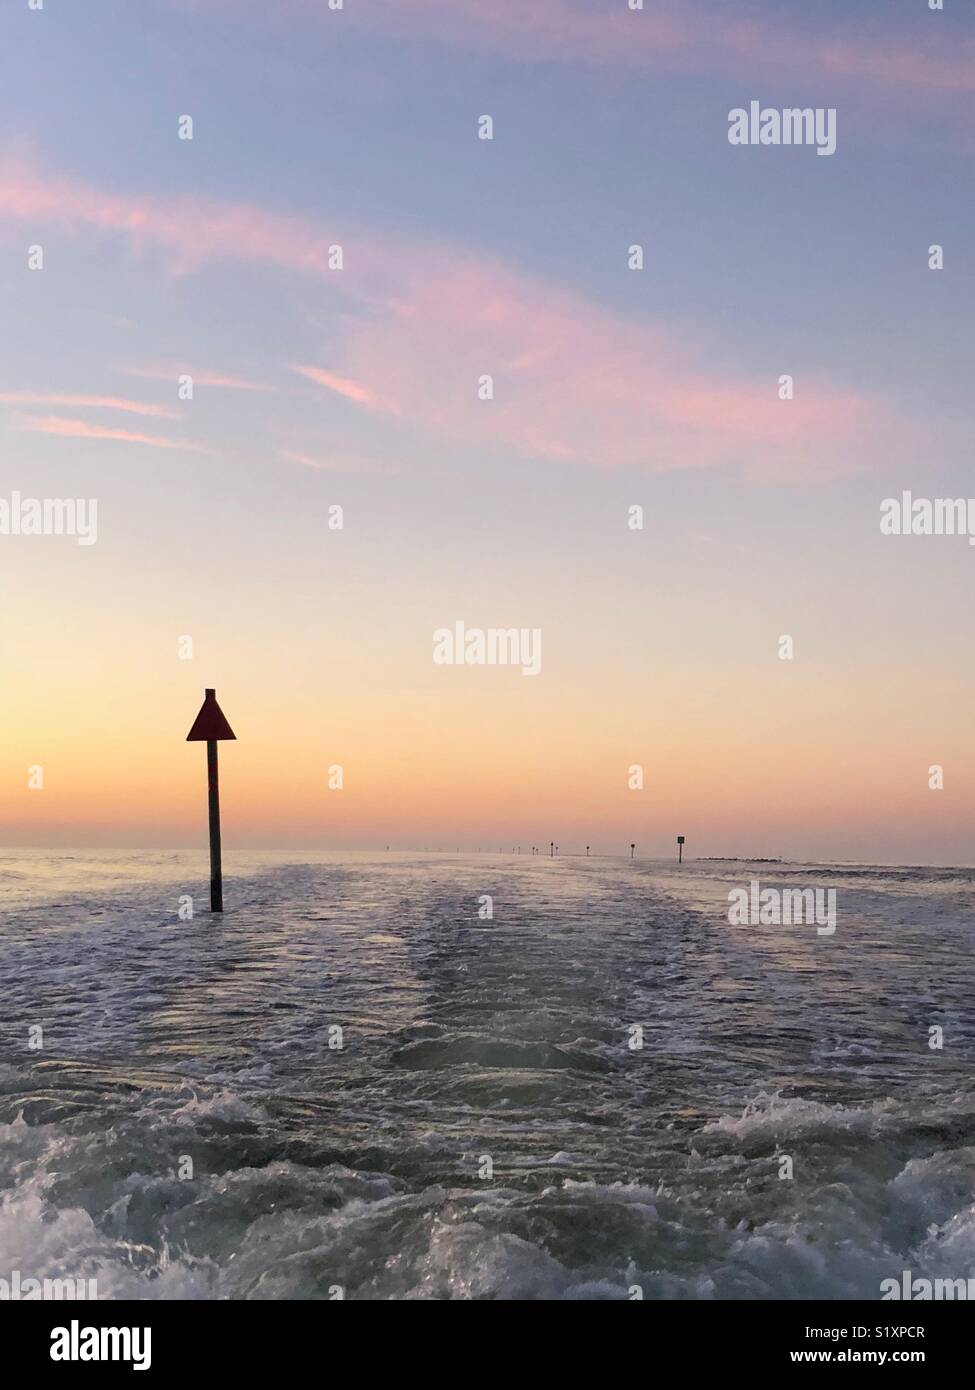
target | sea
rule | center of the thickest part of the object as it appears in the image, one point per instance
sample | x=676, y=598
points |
x=444, y=1076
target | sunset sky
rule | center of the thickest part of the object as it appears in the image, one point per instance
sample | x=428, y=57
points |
x=316, y=387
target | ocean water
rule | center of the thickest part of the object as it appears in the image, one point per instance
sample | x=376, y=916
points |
x=186, y=1125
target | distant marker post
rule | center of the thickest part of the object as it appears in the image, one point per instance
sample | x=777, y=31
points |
x=209, y=727
x=680, y=849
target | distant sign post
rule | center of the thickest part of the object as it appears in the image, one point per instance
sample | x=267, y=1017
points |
x=680, y=849
x=209, y=727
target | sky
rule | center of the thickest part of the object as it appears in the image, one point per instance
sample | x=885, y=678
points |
x=316, y=387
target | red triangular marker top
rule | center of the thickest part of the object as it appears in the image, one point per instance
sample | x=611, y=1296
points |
x=211, y=723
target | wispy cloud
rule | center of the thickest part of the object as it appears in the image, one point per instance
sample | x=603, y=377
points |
x=83, y=429
x=694, y=36
x=194, y=231
x=68, y=398
x=689, y=37
x=201, y=378
x=352, y=390
x=340, y=462
x=572, y=382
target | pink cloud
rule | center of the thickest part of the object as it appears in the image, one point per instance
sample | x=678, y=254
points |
x=81, y=429
x=94, y=402
x=202, y=378
x=573, y=383
x=193, y=231
x=684, y=37
x=340, y=384
x=342, y=462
